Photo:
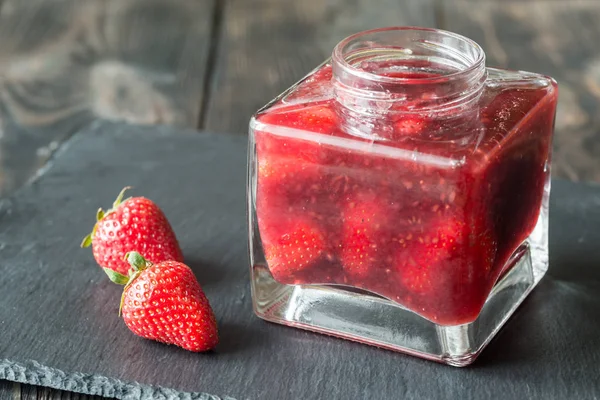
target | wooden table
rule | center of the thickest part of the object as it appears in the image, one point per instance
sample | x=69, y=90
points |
x=209, y=64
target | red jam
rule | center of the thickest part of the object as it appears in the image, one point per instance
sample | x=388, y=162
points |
x=426, y=212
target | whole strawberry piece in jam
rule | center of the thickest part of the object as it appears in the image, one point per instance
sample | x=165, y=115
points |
x=363, y=234
x=424, y=260
x=134, y=224
x=288, y=170
x=164, y=302
x=286, y=175
x=292, y=249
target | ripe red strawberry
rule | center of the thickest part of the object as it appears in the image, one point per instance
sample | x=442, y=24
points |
x=164, y=302
x=363, y=232
x=291, y=249
x=421, y=264
x=136, y=224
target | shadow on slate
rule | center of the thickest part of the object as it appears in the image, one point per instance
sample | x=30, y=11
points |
x=58, y=312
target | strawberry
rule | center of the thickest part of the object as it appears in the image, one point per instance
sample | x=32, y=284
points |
x=363, y=233
x=135, y=224
x=292, y=249
x=290, y=169
x=287, y=183
x=164, y=302
x=417, y=277
x=421, y=264
x=286, y=173
x=286, y=166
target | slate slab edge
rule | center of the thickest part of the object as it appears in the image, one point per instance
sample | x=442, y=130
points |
x=35, y=373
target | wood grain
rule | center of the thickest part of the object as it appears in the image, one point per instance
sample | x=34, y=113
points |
x=17, y=391
x=66, y=63
x=267, y=45
x=30, y=392
x=141, y=61
x=557, y=38
x=9, y=390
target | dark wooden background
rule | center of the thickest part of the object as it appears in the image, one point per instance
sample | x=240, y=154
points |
x=209, y=64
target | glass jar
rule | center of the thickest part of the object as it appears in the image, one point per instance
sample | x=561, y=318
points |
x=398, y=194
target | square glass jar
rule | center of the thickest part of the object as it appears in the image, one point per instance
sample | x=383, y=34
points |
x=398, y=194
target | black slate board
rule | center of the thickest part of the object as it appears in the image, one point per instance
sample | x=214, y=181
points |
x=58, y=312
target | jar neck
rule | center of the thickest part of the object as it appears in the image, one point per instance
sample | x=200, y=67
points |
x=407, y=70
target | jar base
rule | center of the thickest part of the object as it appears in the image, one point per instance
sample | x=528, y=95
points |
x=376, y=321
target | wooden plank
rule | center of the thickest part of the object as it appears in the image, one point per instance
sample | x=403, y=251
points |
x=267, y=45
x=16, y=391
x=9, y=390
x=558, y=38
x=136, y=60
x=65, y=63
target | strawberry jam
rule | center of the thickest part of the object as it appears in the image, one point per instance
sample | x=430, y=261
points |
x=411, y=178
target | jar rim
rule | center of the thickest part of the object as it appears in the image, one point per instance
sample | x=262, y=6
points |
x=339, y=58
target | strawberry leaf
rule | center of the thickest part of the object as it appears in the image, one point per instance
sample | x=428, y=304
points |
x=119, y=199
x=137, y=261
x=99, y=214
x=116, y=277
x=87, y=241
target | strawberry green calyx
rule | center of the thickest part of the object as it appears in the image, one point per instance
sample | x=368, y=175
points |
x=116, y=277
x=137, y=261
x=100, y=214
x=138, y=265
x=119, y=199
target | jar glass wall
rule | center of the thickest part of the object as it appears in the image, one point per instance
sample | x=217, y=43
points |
x=398, y=194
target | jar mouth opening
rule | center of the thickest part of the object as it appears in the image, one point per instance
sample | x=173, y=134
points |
x=464, y=55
